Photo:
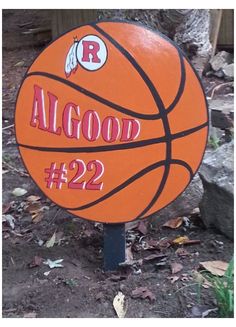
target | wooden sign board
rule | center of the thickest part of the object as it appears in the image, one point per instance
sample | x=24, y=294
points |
x=111, y=121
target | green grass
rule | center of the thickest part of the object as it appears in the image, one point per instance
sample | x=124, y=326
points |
x=71, y=282
x=214, y=142
x=223, y=288
x=6, y=158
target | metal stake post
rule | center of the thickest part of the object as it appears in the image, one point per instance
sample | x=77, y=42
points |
x=114, y=246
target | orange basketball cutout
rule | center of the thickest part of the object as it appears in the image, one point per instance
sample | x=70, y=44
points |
x=111, y=121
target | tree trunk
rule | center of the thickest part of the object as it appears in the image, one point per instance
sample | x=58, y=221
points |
x=189, y=28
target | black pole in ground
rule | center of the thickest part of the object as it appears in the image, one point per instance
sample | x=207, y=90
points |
x=114, y=246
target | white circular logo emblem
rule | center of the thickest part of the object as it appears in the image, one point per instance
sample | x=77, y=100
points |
x=91, y=52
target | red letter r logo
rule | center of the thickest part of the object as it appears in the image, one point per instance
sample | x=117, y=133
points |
x=90, y=47
x=91, y=52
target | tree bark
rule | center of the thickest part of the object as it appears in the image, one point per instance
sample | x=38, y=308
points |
x=189, y=28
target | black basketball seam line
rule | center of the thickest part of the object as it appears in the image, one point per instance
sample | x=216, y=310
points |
x=159, y=104
x=102, y=148
x=142, y=73
x=160, y=35
x=181, y=85
x=115, y=147
x=189, y=131
x=132, y=179
x=165, y=176
x=114, y=105
x=163, y=36
x=160, y=107
x=95, y=96
x=135, y=64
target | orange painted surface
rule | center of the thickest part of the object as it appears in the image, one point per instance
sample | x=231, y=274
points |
x=178, y=178
x=111, y=122
x=32, y=136
x=117, y=170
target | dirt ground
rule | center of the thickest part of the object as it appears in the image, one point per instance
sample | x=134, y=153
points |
x=81, y=288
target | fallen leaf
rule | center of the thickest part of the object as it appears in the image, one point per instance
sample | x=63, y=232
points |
x=5, y=171
x=10, y=220
x=19, y=191
x=197, y=311
x=199, y=278
x=10, y=310
x=206, y=284
x=142, y=227
x=153, y=257
x=173, y=279
x=59, y=237
x=131, y=225
x=88, y=232
x=6, y=236
x=99, y=296
x=206, y=313
x=128, y=254
x=184, y=240
x=33, y=198
x=37, y=217
x=217, y=267
x=164, y=243
x=45, y=208
x=34, y=208
x=131, y=263
x=180, y=240
x=174, y=223
x=175, y=267
x=152, y=244
x=50, y=243
x=120, y=305
x=116, y=278
x=201, y=312
x=185, y=277
x=195, y=211
x=40, y=242
x=137, y=271
x=46, y=273
x=219, y=243
x=30, y=315
x=186, y=222
x=6, y=208
x=17, y=234
x=182, y=252
x=162, y=263
x=37, y=261
x=143, y=293
x=54, y=264
x=19, y=64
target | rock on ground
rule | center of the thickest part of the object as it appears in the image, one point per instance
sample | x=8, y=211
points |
x=218, y=166
x=220, y=60
x=217, y=205
x=222, y=66
x=229, y=72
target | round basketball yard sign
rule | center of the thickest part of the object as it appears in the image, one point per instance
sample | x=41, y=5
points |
x=111, y=121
